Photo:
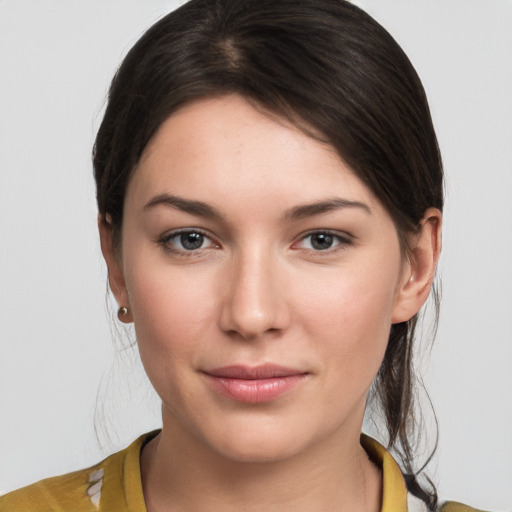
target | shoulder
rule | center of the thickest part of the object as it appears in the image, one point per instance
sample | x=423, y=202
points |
x=395, y=495
x=60, y=493
x=414, y=504
x=453, y=506
x=113, y=484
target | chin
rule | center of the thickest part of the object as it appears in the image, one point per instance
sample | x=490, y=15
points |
x=258, y=451
x=259, y=442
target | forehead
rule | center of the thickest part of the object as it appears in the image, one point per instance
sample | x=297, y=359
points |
x=226, y=152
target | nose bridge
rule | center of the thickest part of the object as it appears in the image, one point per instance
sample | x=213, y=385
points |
x=254, y=303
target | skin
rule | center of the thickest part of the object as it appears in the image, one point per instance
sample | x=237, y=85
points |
x=258, y=290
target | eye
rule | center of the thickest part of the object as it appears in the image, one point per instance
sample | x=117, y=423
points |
x=322, y=241
x=186, y=241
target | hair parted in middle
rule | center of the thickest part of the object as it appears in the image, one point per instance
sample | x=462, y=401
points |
x=330, y=69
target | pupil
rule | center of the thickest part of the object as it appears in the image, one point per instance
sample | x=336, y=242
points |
x=321, y=241
x=191, y=240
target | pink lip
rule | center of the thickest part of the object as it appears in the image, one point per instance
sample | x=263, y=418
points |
x=254, y=384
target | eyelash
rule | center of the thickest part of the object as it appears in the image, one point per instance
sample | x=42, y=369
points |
x=342, y=241
x=166, y=242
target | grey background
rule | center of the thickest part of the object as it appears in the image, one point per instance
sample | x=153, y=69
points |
x=56, y=349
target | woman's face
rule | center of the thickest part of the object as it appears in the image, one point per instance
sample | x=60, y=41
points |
x=263, y=277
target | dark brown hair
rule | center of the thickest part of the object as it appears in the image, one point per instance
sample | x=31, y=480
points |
x=328, y=67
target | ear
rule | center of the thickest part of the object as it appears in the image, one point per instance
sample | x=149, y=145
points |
x=419, y=270
x=114, y=265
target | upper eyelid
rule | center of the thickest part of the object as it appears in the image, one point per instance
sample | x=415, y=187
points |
x=344, y=240
x=165, y=237
x=333, y=232
x=179, y=231
x=342, y=235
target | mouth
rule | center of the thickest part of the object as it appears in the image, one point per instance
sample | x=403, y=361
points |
x=256, y=384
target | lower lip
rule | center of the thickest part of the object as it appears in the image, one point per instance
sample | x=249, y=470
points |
x=254, y=391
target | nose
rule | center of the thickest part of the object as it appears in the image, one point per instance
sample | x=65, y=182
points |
x=254, y=297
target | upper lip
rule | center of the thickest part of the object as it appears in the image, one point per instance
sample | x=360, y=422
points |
x=264, y=371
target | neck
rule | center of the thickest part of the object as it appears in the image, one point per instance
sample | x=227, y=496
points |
x=179, y=474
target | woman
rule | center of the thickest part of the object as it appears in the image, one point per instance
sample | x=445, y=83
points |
x=270, y=193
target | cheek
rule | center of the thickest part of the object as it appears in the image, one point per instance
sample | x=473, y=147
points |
x=349, y=317
x=348, y=302
x=173, y=324
x=172, y=310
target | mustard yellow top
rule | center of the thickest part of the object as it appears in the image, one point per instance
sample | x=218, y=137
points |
x=114, y=485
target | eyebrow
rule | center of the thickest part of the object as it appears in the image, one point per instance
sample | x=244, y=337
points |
x=201, y=209
x=317, y=208
x=197, y=208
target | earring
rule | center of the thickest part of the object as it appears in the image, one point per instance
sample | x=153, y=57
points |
x=122, y=312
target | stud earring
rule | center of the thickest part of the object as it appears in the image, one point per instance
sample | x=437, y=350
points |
x=122, y=313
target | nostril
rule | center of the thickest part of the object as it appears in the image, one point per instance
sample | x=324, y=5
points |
x=244, y=335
